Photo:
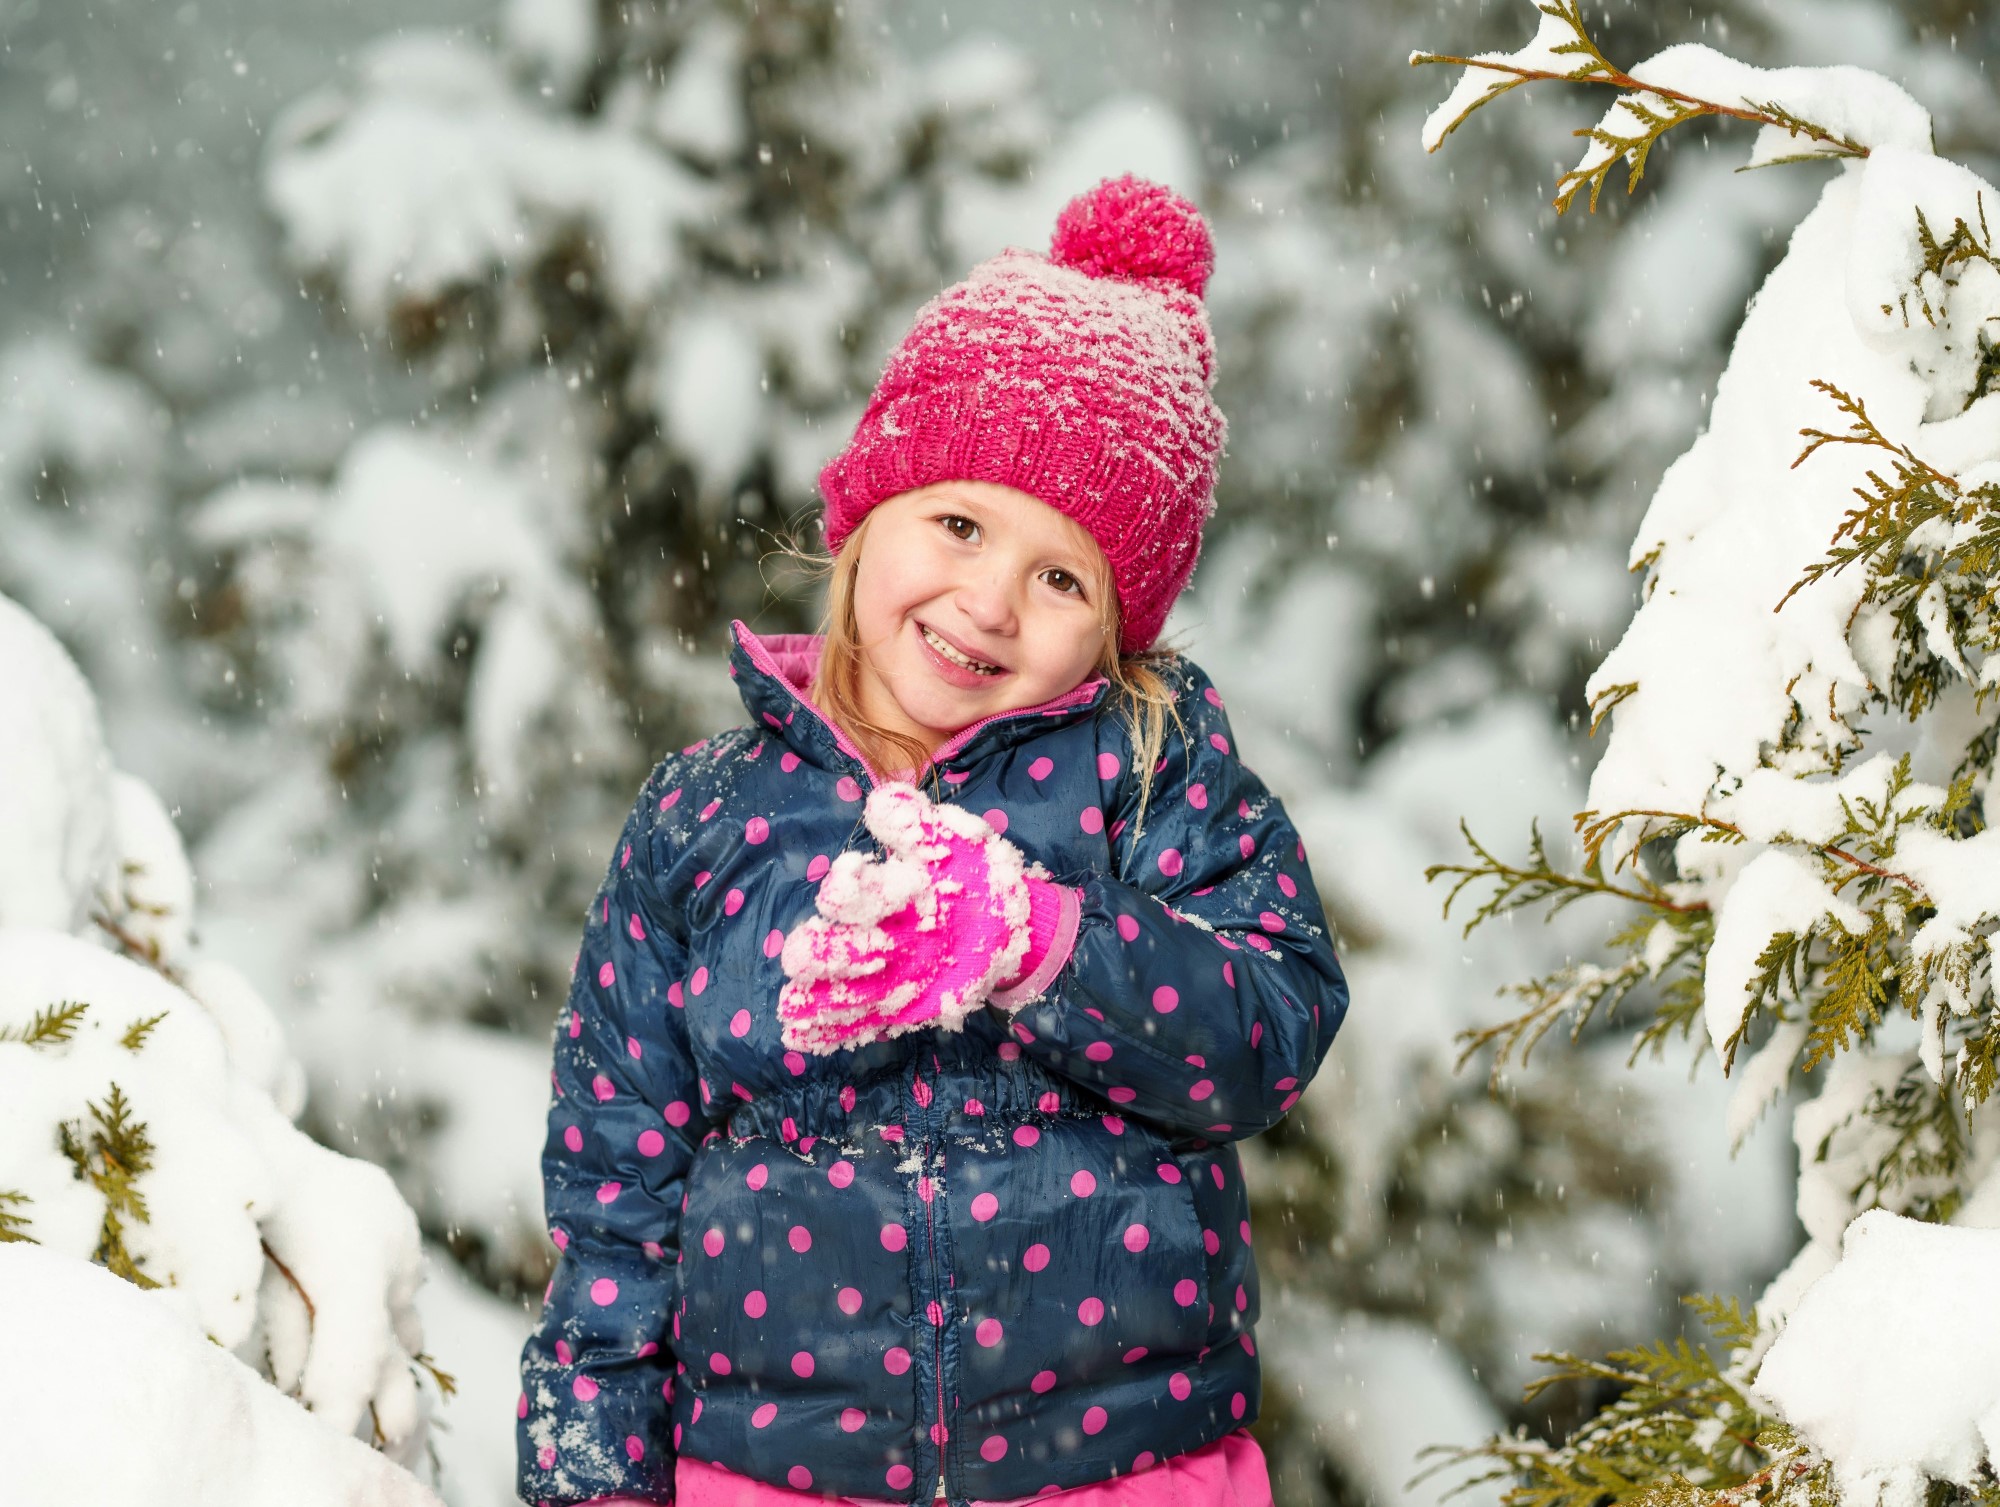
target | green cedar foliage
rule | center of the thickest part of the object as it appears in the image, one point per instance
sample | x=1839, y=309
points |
x=111, y=1156
x=1682, y=1428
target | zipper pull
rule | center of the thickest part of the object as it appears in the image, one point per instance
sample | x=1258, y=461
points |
x=940, y=1491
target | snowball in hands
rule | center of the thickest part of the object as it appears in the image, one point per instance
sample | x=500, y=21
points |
x=921, y=937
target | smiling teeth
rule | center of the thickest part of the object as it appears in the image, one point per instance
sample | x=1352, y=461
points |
x=976, y=666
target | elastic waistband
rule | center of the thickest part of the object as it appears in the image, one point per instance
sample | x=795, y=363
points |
x=974, y=1089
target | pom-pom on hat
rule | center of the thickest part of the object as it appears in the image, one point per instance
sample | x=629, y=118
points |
x=1082, y=378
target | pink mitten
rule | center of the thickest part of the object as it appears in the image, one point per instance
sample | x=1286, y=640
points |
x=921, y=937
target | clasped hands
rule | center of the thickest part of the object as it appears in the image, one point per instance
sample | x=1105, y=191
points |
x=921, y=937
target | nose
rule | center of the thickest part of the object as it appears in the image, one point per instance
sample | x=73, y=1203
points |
x=987, y=600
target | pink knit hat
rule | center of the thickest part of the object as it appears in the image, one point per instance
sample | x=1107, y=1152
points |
x=1081, y=378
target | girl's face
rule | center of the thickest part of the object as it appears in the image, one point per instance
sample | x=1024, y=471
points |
x=972, y=570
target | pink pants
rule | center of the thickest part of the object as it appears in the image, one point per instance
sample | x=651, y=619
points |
x=1228, y=1473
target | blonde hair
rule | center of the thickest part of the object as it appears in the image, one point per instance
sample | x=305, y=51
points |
x=1139, y=682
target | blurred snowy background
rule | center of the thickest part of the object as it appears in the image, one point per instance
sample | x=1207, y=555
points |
x=397, y=401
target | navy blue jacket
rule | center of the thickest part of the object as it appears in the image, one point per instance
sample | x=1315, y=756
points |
x=975, y=1264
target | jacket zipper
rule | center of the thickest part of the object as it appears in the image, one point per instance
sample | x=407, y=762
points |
x=936, y=1314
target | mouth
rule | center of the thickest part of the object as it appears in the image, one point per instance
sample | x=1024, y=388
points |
x=952, y=654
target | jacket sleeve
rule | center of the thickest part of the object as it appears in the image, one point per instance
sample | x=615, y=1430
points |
x=624, y=1124
x=1202, y=989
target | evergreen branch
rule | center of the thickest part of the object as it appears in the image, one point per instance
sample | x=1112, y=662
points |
x=49, y=1026
x=1513, y=76
x=1585, y=990
x=1631, y=149
x=447, y=1384
x=1678, y=1430
x=1578, y=990
x=1516, y=888
x=312, y=1313
x=1602, y=704
x=112, y=1157
x=13, y=1226
x=1882, y=525
x=135, y=1034
x=1917, y=1170
x=1596, y=829
x=140, y=949
x=1655, y=108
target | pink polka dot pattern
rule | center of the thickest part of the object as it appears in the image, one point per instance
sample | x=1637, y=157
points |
x=657, y=1070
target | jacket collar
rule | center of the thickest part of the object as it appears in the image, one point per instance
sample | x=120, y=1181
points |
x=773, y=673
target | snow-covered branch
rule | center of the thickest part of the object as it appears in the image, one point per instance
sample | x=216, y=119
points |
x=1802, y=112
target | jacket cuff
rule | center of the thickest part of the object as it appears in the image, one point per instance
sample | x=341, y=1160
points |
x=1054, y=912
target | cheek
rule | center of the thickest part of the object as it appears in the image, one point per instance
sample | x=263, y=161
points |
x=1073, y=641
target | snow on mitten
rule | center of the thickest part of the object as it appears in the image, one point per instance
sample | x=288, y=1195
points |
x=920, y=937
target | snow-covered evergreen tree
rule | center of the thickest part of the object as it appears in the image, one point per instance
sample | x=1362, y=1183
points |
x=149, y=1099
x=1791, y=801
x=646, y=257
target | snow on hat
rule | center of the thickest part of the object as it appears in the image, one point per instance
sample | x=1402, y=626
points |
x=1082, y=378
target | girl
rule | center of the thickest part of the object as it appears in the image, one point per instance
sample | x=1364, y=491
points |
x=911, y=1174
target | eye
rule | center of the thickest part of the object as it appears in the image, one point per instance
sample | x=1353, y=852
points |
x=1063, y=581
x=959, y=527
